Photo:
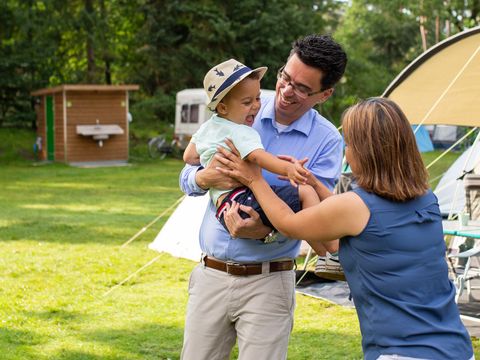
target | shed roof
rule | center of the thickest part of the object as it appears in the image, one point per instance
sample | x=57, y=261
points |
x=83, y=87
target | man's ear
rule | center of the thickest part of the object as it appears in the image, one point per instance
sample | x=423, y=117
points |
x=222, y=109
x=324, y=95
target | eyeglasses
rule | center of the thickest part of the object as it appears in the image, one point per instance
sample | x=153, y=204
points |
x=299, y=90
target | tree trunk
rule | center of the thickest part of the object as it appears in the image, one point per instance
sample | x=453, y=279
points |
x=89, y=29
x=423, y=33
x=105, y=47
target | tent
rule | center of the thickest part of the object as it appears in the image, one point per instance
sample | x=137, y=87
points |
x=442, y=86
x=450, y=193
x=424, y=142
x=179, y=235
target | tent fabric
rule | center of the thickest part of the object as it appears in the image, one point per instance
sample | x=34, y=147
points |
x=447, y=186
x=442, y=86
x=179, y=235
x=422, y=136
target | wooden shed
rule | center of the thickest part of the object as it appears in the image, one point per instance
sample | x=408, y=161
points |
x=83, y=123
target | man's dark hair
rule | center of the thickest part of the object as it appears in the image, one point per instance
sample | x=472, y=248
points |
x=323, y=53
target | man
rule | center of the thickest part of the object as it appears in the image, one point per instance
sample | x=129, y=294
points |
x=244, y=287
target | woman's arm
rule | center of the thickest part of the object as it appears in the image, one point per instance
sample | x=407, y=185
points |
x=333, y=218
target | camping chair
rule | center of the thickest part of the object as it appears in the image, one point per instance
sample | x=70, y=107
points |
x=469, y=273
x=471, y=183
x=468, y=259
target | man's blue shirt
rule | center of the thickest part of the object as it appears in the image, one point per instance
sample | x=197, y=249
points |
x=310, y=136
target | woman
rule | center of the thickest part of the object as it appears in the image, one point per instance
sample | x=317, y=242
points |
x=391, y=248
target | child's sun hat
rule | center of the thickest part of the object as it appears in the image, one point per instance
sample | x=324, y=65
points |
x=220, y=79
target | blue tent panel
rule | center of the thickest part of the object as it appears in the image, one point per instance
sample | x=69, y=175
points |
x=424, y=142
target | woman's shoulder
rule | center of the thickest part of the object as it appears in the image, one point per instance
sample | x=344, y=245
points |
x=349, y=201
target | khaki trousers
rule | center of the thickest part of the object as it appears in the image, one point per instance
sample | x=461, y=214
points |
x=257, y=310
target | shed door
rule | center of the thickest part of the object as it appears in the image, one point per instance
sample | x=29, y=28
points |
x=50, y=128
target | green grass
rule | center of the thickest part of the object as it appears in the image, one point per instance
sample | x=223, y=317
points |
x=61, y=229
x=437, y=169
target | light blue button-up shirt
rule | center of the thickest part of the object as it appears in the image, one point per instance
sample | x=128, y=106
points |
x=310, y=136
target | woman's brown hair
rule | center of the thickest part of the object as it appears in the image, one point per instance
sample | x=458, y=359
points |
x=383, y=145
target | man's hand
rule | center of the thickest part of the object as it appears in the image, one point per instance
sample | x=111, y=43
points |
x=210, y=177
x=250, y=228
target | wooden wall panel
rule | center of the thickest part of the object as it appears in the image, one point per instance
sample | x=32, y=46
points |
x=85, y=108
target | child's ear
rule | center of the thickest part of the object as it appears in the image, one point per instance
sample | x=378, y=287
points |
x=222, y=109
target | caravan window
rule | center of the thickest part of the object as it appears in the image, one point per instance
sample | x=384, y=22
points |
x=194, y=113
x=189, y=114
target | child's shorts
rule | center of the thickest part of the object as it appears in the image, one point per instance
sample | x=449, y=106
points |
x=244, y=196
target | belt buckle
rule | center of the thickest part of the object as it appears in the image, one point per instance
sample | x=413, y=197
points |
x=234, y=268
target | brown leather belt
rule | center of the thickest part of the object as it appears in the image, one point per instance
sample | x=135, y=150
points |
x=247, y=269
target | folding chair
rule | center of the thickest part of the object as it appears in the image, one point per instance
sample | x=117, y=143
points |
x=471, y=257
x=470, y=272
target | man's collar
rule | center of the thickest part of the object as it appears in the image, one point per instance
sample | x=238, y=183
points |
x=303, y=124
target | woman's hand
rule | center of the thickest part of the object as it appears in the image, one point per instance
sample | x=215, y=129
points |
x=243, y=171
x=210, y=177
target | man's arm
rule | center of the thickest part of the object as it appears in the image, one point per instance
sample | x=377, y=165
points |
x=196, y=180
x=188, y=183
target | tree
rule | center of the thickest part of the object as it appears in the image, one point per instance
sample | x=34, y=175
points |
x=178, y=41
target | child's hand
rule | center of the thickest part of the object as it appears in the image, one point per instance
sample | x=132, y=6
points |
x=296, y=173
x=311, y=179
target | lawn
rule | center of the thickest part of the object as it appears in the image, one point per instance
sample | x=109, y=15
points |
x=61, y=229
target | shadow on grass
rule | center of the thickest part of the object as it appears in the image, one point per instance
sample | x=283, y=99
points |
x=325, y=345
x=57, y=316
x=15, y=344
x=77, y=355
x=64, y=231
x=149, y=341
x=153, y=341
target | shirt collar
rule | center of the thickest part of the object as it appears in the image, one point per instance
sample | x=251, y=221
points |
x=303, y=124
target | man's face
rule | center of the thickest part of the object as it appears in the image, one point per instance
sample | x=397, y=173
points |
x=297, y=78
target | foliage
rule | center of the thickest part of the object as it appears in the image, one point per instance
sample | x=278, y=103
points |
x=16, y=146
x=382, y=37
x=166, y=46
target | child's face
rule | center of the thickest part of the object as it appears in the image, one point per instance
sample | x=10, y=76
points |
x=242, y=102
